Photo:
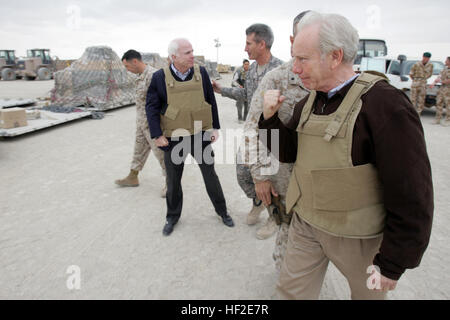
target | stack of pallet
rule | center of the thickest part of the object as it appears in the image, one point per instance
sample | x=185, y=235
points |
x=98, y=79
x=154, y=60
x=209, y=66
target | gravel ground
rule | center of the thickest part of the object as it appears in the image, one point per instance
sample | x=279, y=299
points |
x=60, y=208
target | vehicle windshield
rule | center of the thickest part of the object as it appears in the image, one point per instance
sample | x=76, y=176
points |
x=8, y=55
x=373, y=64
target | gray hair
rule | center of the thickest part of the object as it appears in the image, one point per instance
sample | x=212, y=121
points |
x=297, y=20
x=262, y=32
x=335, y=33
x=174, y=45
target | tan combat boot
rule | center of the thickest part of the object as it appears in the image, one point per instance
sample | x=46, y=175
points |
x=437, y=121
x=268, y=229
x=130, y=181
x=253, y=215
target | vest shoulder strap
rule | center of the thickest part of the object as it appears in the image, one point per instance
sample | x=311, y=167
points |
x=170, y=80
x=307, y=108
x=361, y=85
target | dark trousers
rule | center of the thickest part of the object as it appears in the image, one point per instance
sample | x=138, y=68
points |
x=174, y=159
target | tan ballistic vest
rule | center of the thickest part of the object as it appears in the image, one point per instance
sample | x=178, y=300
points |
x=325, y=189
x=186, y=105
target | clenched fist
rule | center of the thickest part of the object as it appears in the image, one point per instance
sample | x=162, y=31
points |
x=272, y=102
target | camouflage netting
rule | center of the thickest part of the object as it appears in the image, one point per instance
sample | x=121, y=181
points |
x=157, y=62
x=98, y=79
x=154, y=60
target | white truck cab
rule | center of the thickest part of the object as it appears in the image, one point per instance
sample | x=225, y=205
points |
x=397, y=70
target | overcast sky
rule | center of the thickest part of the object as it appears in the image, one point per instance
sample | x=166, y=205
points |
x=68, y=27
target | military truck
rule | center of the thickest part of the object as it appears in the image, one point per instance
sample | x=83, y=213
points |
x=8, y=65
x=37, y=65
x=397, y=70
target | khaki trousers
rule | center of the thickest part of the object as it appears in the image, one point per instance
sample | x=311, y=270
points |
x=142, y=147
x=418, y=95
x=308, y=253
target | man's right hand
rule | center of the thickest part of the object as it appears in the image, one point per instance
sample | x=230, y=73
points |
x=216, y=87
x=161, y=142
x=264, y=191
x=272, y=102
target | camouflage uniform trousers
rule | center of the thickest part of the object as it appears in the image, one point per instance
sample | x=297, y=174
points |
x=443, y=98
x=280, y=182
x=245, y=179
x=418, y=94
x=242, y=105
x=142, y=147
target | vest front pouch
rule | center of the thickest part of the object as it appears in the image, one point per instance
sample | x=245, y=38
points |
x=170, y=120
x=204, y=116
x=346, y=189
x=351, y=197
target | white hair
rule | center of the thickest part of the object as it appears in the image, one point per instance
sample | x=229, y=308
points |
x=174, y=45
x=335, y=33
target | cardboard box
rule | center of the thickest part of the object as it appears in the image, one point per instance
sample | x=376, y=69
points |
x=13, y=118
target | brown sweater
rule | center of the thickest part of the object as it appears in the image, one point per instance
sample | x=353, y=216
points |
x=388, y=133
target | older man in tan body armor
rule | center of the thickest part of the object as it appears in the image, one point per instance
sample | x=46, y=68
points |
x=359, y=198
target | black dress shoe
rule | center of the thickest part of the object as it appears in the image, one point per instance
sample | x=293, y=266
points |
x=227, y=220
x=168, y=228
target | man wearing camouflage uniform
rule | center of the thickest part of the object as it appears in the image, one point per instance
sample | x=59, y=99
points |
x=419, y=74
x=282, y=78
x=258, y=44
x=239, y=82
x=132, y=60
x=443, y=95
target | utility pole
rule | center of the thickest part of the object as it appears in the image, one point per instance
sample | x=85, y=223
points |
x=217, y=45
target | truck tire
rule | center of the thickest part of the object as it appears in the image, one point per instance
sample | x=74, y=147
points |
x=29, y=78
x=44, y=74
x=8, y=74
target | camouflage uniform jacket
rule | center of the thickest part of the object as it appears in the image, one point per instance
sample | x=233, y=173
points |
x=290, y=85
x=420, y=72
x=251, y=82
x=142, y=83
x=445, y=75
x=239, y=77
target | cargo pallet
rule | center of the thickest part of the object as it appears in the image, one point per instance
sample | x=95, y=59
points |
x=50, y=119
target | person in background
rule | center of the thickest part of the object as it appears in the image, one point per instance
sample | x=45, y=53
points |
x=239, y=82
